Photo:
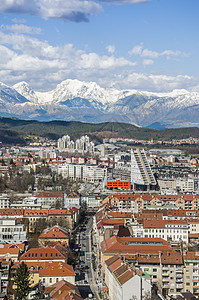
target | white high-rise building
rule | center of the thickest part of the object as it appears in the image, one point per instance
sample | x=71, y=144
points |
x=141, y=173
x=81, y=145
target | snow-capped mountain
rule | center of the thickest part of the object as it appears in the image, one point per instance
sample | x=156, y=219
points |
x=88, y=102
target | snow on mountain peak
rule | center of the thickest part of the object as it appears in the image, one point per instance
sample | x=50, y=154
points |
x=24, y=89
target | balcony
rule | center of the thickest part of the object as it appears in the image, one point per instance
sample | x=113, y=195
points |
x=179, y=286
x=165, y=274
x=179, y=271
x=165, y=270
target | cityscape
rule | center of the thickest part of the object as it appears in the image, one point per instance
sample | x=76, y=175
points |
x=99, y=221
x=99, y=150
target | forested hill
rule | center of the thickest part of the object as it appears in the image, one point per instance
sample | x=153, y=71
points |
x=14, y=131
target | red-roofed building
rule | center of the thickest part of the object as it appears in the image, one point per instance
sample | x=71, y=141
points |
x=57, y=253
x=62, y=290
x=53, y=234
x=56, y=271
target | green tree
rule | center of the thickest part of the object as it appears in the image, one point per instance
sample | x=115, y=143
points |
x=22, y=281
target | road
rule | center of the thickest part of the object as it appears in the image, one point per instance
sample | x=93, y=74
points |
x=88, y=276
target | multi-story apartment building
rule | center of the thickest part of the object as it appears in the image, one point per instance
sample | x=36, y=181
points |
x=83, y=172
x=171, y=230
x=11, y=231
x=166, y=269
x=191, y=272
x=138, y=202
x=4, y=201
x=50, y=198
x=141, y=173
x=124, y=281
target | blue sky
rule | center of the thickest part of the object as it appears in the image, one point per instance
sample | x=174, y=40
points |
x=128, y=44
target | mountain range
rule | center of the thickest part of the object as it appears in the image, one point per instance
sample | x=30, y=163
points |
x=74, y=100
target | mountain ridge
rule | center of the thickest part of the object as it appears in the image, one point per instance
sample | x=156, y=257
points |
x=88, y=102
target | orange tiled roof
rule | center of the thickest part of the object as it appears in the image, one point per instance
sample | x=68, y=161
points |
x=11, y=251
x=63, y=290
x=55, y=232
x=47, y=253
x=129, y=245
x=165, y=258
x=20, y=246
x=154, y=223
x=114, y=262
x=57, y=269
x=191, y=256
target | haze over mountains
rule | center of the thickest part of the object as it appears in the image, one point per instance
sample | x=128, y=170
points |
x=88, y=102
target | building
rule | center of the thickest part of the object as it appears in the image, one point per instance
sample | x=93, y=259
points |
x=124, y=281
x=4, y=201
x=4, y=276
x=54, y=234
x=82, y=172
x=72, y=200
x=54, y=272
x=62, y=290
x=50, y=199
x=11, y=231
x=48, y=253
x=138, y=202
x=141, y=173
x=131, y=246
x=118, y=184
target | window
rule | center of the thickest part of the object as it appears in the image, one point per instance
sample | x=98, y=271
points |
x=50, y=280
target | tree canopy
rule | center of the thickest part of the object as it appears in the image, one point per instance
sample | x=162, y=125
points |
x=22, y=281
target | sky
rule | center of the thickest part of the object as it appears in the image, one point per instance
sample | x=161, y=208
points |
x=150, y=45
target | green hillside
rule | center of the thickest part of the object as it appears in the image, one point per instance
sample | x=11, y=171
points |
x=13, y=130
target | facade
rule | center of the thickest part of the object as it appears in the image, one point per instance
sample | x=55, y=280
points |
x=166, y=269
x=83, y=172
x=72, y=200
x=54, y=272
x=138, y=202
x=11, y=231
x=50, y=198
x=4, y=201
x=117, y=184
x=4, y=277
x=124, y=281
x=141, y=173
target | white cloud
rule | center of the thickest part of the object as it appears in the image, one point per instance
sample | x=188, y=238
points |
x=138, y=50
x=15, y=20
x=147, y=62
x=122, y=2
x=67, y=10
x=154, y=83
x=75, y=10
x=39, y=61
x=110, y=49
x=21, y=28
